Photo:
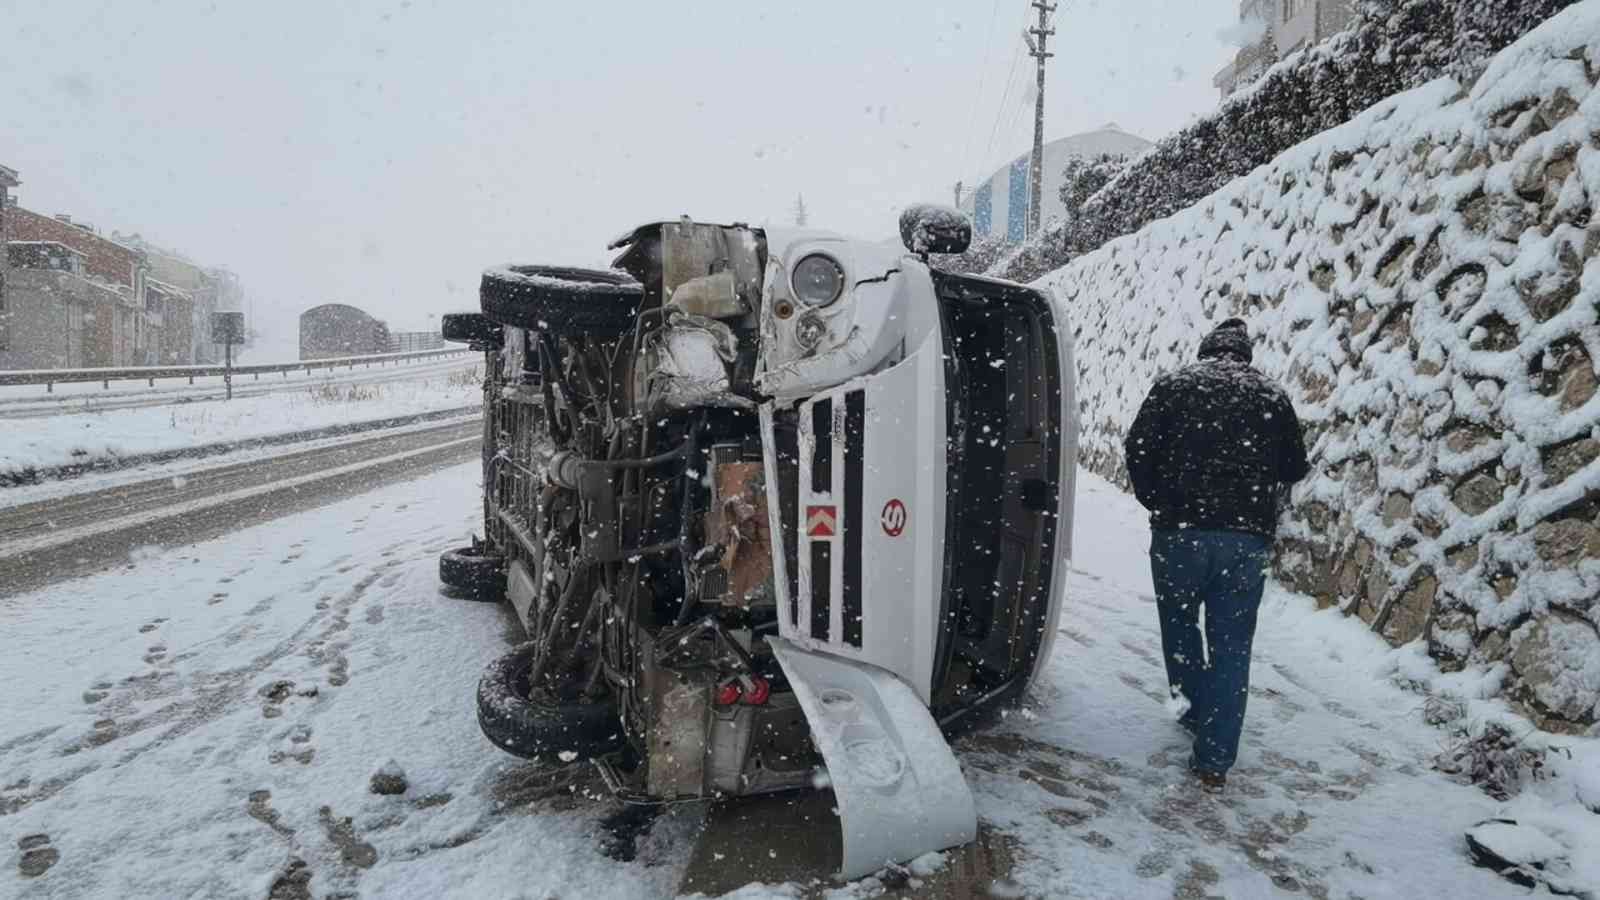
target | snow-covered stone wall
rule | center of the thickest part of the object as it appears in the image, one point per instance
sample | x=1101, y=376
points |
x=1424, y=281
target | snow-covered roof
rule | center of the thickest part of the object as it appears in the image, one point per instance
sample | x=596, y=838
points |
x=165, y=288
x=57, y=244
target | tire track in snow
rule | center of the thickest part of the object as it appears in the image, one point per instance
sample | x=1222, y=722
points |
x=97, y=539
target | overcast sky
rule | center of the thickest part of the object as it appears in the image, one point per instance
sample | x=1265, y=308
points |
x=383, y=153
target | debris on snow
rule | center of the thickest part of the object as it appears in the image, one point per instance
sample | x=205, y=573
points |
x=37, y=855
x=389, y=780
x=1494, y=760
x=927, y=864
x=1520, y=853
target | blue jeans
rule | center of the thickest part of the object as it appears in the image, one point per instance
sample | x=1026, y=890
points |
x=1221, y=573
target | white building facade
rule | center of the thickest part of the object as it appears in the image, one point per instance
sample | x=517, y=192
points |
x=998, y=206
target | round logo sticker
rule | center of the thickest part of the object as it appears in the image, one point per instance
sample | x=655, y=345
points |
x=893, y=518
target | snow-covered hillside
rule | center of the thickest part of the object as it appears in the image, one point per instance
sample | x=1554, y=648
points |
x=1424, y=281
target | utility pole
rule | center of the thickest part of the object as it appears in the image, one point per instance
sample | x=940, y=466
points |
x=1038, y=39
x=958, y=195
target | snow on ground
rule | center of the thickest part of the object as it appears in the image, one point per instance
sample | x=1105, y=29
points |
x=188, y=726
x=181, y=469
x=1332, y=796
x=192, y=724
x=1332, y=792
x=82, y=437
x=94, y=396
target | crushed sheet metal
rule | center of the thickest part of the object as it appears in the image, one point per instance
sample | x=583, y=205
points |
x=899, y=788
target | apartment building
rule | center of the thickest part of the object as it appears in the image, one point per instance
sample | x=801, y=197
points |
x=207, y=289
x=1286, y=26
x=73, y=297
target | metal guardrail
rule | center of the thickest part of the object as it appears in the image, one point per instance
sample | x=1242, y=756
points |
x=52, y=377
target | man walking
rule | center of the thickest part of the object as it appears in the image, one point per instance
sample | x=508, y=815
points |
x=1209, y=453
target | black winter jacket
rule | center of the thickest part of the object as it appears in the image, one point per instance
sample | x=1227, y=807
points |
x=1211, y=447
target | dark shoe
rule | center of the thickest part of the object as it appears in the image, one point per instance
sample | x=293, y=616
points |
x=1210, y=782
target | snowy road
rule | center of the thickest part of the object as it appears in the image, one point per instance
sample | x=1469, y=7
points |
x=64, y=536
x=204, y=723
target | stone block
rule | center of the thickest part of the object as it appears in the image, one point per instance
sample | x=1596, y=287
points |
x=1374, y=590
x=1504, y=584
x=1396, y=508
x=1450, y=639
x=1566, y=542
x=1492, y=648
x=1556, y=107
x=1354, y=567
x=1578, y=384
x=1549, y=297
x=1478, y=494
x=1363, y=476
x=1463, y=558
x=1409, y=615
x=1550, y=658
x=1566, y=460
x=1460, y=440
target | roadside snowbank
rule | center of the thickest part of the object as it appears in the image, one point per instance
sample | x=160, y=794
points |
x=83, y=438
x=1425, y=281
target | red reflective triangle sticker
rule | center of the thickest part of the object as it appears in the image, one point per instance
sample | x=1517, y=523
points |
x=821, y=521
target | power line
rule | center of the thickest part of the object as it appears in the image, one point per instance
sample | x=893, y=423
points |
x=1015, y=117
x=983, y=81
x=1000, y=111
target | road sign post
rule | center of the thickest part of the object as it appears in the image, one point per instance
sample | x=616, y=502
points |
x=227, y=329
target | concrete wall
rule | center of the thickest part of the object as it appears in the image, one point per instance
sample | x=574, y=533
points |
x=60, y=320
x=34, y=334
x=1425, y=280
x=177, y=334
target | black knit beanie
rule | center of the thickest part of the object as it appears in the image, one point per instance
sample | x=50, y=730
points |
x=1231, y=338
